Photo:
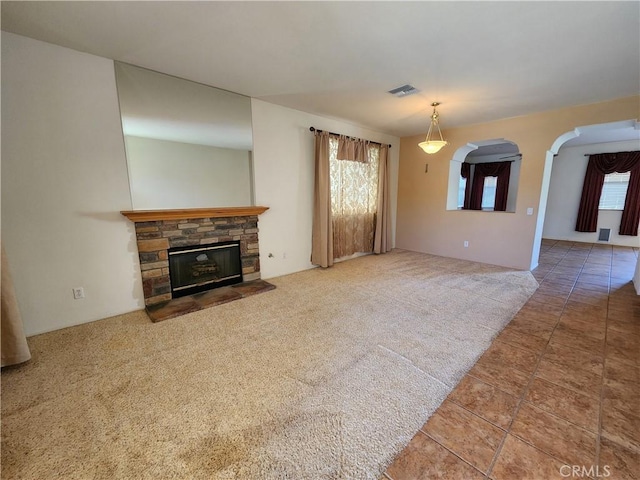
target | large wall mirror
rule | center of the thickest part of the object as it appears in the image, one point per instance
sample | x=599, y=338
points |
x=188, y=145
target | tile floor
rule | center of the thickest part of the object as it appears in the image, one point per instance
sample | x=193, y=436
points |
x=557, y=395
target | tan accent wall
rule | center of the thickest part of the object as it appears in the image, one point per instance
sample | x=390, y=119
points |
x=424, y=224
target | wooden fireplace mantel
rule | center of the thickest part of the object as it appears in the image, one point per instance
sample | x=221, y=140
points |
x=183, y=214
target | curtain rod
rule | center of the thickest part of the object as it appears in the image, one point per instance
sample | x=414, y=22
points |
x=611, y=153
x=313, y=129
x=497, y=161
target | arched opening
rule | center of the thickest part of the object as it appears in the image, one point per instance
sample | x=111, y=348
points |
x=590, y=135
x=483, y=176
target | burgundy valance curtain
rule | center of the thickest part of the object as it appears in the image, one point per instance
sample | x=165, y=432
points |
x=600, y=165
x=502, y=170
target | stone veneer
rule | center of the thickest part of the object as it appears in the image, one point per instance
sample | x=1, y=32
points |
x=156, y=237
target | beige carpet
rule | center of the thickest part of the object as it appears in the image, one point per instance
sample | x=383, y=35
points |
x=327, y=376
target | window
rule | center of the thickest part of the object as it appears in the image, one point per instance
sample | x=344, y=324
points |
x=354, y=200
x=489, y=193
x=489, y=158
x=354, y=185
x=614, y=191
x=462, y=186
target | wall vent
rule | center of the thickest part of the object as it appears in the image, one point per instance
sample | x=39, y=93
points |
x=604, y=235
x=404, y=90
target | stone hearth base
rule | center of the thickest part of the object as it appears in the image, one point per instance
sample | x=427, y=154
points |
x=200, y=301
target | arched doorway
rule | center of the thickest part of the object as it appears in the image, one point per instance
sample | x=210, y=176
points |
x=590, y=134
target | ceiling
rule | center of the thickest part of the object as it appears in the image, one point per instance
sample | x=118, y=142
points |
x=498, y=147
x=483, y=60
x=605, y=136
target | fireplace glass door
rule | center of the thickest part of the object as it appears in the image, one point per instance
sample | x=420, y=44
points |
x=198, y=268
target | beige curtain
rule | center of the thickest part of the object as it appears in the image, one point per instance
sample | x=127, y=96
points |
x=322, y=233
x=351, y=198
x=351, y=149
x=14, y=343
x=382, y=239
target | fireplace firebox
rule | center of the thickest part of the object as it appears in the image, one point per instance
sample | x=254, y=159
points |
x=198, y=268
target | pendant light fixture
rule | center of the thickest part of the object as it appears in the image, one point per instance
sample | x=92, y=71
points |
x=433, y=145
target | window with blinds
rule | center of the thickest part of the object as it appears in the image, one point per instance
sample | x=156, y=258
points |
x=614, y=191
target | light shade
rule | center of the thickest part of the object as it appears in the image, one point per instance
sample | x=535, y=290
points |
x=429, y=145
x=432, y=146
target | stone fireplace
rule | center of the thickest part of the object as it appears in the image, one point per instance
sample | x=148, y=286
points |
x=160, y=233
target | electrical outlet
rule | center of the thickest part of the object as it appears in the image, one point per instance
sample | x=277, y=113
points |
x=284, y=255
x=530, y=211
x=466, y=244
x=78, y=293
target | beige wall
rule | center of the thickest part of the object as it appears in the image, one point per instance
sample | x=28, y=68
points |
x=424, y=224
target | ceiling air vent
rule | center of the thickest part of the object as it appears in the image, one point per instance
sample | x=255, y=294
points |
x=404, y=90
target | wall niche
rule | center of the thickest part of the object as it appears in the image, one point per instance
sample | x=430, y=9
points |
x=484, y=175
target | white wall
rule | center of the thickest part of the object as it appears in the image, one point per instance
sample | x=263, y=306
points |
x=565, y=189
x=283, y=150
x=64, y=182
x=164, y=174
x=514, y=181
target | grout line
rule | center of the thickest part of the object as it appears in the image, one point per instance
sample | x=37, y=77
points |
x=604, y=368
x=453, y=453
x=570, y=387
x=477, y=414
x=604, y=355
x=541, y=355
x=524, y=440
x=581, y=427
